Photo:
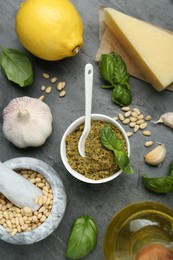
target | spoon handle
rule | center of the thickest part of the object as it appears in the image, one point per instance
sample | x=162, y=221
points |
x=88, y=95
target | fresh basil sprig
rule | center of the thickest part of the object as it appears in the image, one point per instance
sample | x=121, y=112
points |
x=110, y=141
x=160, y=184
x=113, y=69
x=83, y=237
x=16, y=67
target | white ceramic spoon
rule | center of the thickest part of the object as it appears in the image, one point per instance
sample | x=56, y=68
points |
x=88, y=105
x=18, y=189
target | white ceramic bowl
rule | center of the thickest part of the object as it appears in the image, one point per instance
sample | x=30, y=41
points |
x=59, y=202
x=71, y=128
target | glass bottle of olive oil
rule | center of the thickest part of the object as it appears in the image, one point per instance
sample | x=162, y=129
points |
x=133, y=228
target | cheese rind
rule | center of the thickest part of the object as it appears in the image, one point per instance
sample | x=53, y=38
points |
x=150, y=47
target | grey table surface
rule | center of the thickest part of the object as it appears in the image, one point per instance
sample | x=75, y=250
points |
x=100, y=201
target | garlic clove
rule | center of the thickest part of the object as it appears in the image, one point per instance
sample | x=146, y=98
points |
x=27, y=122
x=156, y=156
x=166, y=119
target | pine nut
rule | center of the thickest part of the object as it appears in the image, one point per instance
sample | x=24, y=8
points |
x=149, y=143
x=140, y=122
x=60, y=85
x=134, y=114
x=13, y=232
x=43, y=218
x=126, y=121
x=129, y=134
x=115, y=118
x=125, y=108
x=140, y=117
x=146, y=133
x=137, y=111
x=121, y=117
x=53, y=80
x=127, y=114
x=133, y=119
x=42, y=97
x=132, y=124
x=62, y=93
x=48, y=90
x=45, y=75
x=136, y=128
x=43, y=88
x=41, y=209
x=143, y=126
x=148, y=118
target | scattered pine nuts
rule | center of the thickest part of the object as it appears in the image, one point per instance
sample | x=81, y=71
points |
x=45, y=75
x=143, y=126
x=60, y=85
x=134, y=114
x=129, y=134
x=121, y=117
x=16, y=220
x=146, y=133
x=62, y=93
x=133, y=119
x=128, y=113
x=48, y=90
x=115, y=118
x=126, y=121
x=53, y=80
x=42, y=97
x=125, y=108
x=148, y=143
x=136, y=128
x=148, y=118
x=132, y=124
x=43, y=88
x=136, y=110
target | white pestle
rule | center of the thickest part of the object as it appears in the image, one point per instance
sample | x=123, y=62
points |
x=18, y=189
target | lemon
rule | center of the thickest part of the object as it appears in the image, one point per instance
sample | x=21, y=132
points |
x=49, y=29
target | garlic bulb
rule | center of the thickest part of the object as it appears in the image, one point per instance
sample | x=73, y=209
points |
x=27, y=122
x=156, y=156
x=166, y=119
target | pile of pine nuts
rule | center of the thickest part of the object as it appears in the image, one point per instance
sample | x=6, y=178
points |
x=17, y=220
x=136, y=121
x=48, y=89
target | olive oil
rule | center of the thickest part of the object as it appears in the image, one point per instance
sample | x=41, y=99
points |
x=141, y=229
x=136, y=226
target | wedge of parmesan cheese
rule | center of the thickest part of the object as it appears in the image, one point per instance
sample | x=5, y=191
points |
x=150, y=47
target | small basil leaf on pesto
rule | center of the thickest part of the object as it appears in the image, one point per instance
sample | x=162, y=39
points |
x=83, y=237
x=111, y=142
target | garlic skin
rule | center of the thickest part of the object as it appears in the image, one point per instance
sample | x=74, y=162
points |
x=27, y=122
x=156, y=156
x=166, y=119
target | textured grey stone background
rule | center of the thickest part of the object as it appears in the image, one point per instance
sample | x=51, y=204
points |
x=102, y=201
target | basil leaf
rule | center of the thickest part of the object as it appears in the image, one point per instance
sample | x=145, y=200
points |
x=16, y=67
x=121, y=158
x=120, y=75
x=106, y=66
x=83, y=237
x=170, y=171
x=108, y=137
x=111, y=142
x=159, y=184
x=121, y=95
